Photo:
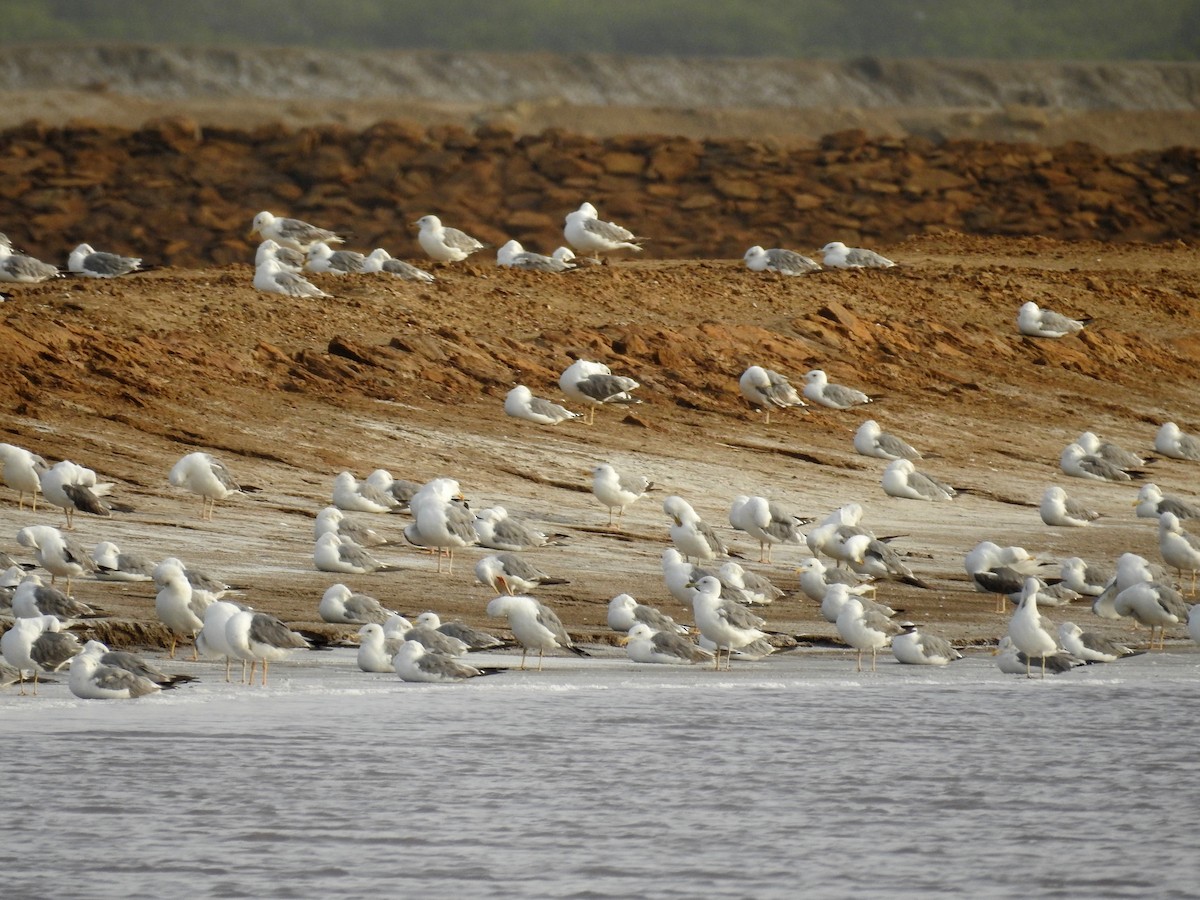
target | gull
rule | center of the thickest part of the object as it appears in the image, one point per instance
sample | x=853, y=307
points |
x=1114, y=453
x=521, y=404
x=22, y=472
x=291, y=232
x=271, y=277
x=513, y=255
x=782, y=262
x=645, y=645
x=758, y=590
x=765, y=389
x=871, y=440
x=445, y=244
x=837, y=255
x=509, y=573
x=1179, y=548
x=179, y=606
x=594, y=385
x=21, y=269
x=917, y=648
x=624, y=612
x=442, y=522
x=1008, y=583
x=213, y=640
x=679, y=574
x=56, y=553
x=86, y=261
x=73, y=488
x=259, y=637
x=113, y=565
x=351, y=495
x=1089, y=646
x=136, y=665
x=835, y=599
x=902, y=479
x=332, y=520
x=1153, y=604
x=398, y=489
x=92, y=679
x=201, y=474
x=767, y=522
x=727, y=624
x=586, y=233
x=617, y=490
x=414, y=662
x=341, y=606
x=1082, y=578
x=1171, y=441
x=36, y=645
x=1151, y=503
x=377, y=651
x=1029, y=635
x=335, y=553
x=32, y=599
x=1131, y=569
x=324, y=260
x=864, y=630
x=1033, y=321
x=289, y=259
x=871, y=556
x=497, y=530
x=1012, y=661
x=691, y=534
x=816, y=578
x=1079, y=463
x=836, y=396
x=430, y=638
x=379, y=260
x=1059, y=509
x=197, y=578
x=473, y=638
x=533, y=624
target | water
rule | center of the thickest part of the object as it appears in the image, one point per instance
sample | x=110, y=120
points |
x=597, y=778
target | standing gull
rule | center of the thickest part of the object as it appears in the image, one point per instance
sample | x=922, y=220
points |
x=36, y=645
x=57, y=553
x=727, y=624
x=213, y=640
x=816, y=578
x=73, y=488
x=445, y=244
x=871, y=440
x=205, y=476
x=917, y=648
x=1058, y=509
x=767, y=522
x=902, y=479
x=865, y=629
x=1153, y=604
x=270, y=276
x=586, y=233
x=838, y=256
x=645, y=645
x=86, y=261
x=782, y=262
x=765, y=389
x=617, y=490
x=1027, y=631
x=1033, y=321
x=259, y=637
x=22, y=472
x=692, y=535
x=179, y=606
x=594, y=385
x=521, y=404
x=1179, y=548
x=442, y=522
x=534, y=625
x=836, y=396
x=1171, y=441
x=291, y=232
x=379, y=260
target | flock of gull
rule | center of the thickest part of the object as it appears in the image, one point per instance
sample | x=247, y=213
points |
x=699, y=570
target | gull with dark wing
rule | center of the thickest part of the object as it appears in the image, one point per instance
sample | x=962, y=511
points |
x=594, y=385
x=32, y=599
x=74, y=488
x=36, y=645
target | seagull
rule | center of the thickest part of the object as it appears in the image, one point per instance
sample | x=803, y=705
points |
x=1077, y=462
x=341, y=606
x=727, y=624
x=22, y=472
x=73, y=488
x=1151, y=503
x=1029, y=635
x=323, y=259
x=782, y=262
x=617, y=490
x=201, y=474
x=1153, y=604
x=376, y=651
x=902, y=479
x=135, y=665
x=864, y=630
x=1171, y=441
x=379, y=260
x=351, y=495
x=179, y=606
x=679, y=574
x=835, y=598
x=1114, y=453
x=816, y=578
x=1012, y=661
x=871, y=556
x=332, y=520
x=289, y=259
x=445, y=244
x=767, y=522
x=1082, y=578
x=838, y=256
x=513, y=255
x=259, y=637
x=836, y=396
x=399, y=489
x=624, y=612
x=521, y=404
x=32, y=599
x=35, y=644
x=335, y=553
x=21, y=269
x=586, y=233
x=691, y=534
x=758, y=590
x=57, y=553
x=509, y=573
x=1089, y=646
x=497, y=530
x=271, y=277
x=645, y=645
x=86, y=261
x=442, y=522
x=533, y=624
x=871, y=440
x=91, y=679
x=473, y=638
x=213, y=640
x=414, y=663
x=765, y=389
x=1179, y=548
x=594, y=385
x=291, y=232
x=1059, y=509
x=430, y=638
x=918, y=648
x=1033, y=321
x=113, y=565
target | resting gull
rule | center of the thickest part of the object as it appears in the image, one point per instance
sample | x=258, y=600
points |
x=472, y=638
x=816, y=579
x=1173, y=442
x=32, y=599
x=836, y=396
x=1058, y=509
x=902, y=479
x=376, y=650
x=291, y=232
x=782, y=262
x=766, y=390
x=838, y=256
x=114, y=565
x=513, y=256
x=645, y=645
x=1151, y=503
x=624, y=612
x=21, y=269
x=588, y=234
x=86, y=261
x=352, y=495
x=511, y=574
x=1012, y=661
x=1077, y=462
x=379, y=260
x=324, y=260
x=521, y=404
x=335, y=553
x=871, y=440
x=922, y=648
x=1179, y=548
x=594, y=385
x=1033, y=321
x=1091, y=647
x=271, y=277
x=289, y=259
x=332, y=520
x=414, y=662
x=692, y=535
x=341, y=606
x=445, y=244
